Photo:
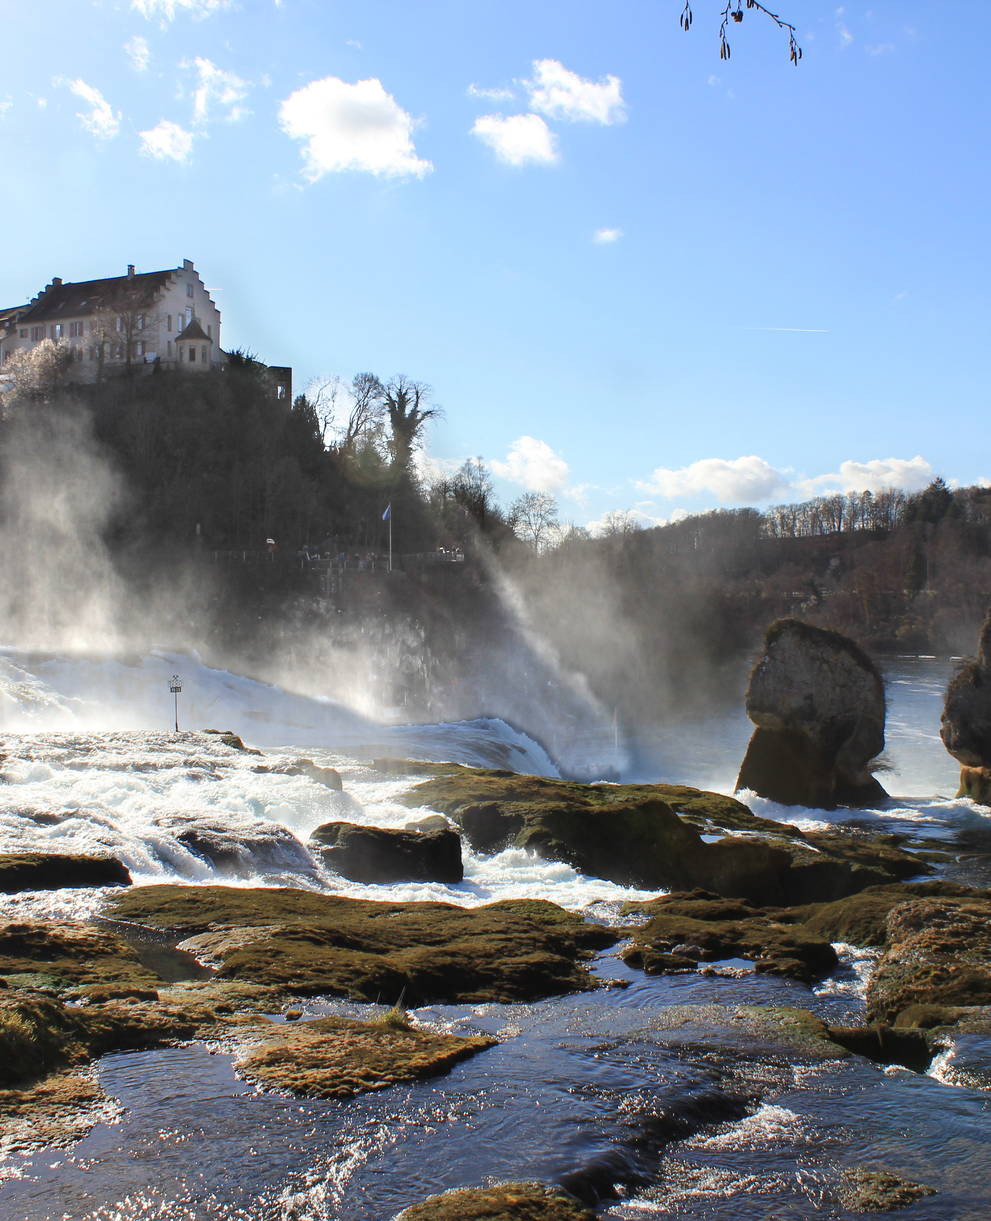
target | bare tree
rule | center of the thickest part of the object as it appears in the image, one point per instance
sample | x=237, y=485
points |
x=533, y=519
x=407, y=409
x=733, y=11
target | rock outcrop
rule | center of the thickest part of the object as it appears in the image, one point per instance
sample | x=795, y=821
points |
x=966, y=722
x=53, y=871
x=658, y=837
x=504, y=1202
x=818, y=703
x=390, y=854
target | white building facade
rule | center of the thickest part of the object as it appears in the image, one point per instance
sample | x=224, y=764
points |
x=117, y=324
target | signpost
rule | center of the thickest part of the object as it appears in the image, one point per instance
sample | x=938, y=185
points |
x=175, y=688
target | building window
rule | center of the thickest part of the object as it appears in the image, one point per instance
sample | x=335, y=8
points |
x=24, y=332
x=37, y=332
x=189, y=290
x=75, y=330
x=192, y=352
x=56, y=330
x=141, y=322
x=169, y=349
x=205, y=357
x=168, y=322
x=139, y=348
x=120, y=322
x=209, y=331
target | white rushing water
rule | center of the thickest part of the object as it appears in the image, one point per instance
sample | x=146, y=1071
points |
x=90, y=765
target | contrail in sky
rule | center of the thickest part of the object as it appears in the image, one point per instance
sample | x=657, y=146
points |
x=803, y=330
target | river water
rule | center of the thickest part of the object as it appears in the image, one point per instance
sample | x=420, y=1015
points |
x=651, y=1098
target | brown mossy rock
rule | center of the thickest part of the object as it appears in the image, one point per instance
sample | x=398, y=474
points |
x=904, y=1045
x=878, y=1191
x=861, y=919
x=308, y=944
x=336, y=1057
x=937, y=952
x=53, y=871
x=390, y=854
x=54, y=1112
x=505, y=1202
x=700, y=926
x=231, y=739
x=817, y=701
x=67, y=957
x=648, y=835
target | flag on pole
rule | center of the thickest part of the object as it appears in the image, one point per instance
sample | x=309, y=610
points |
x=387, y=515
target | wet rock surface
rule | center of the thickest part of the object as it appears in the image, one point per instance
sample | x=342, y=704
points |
x=336, y=1057
x=311, y=943
x=53, y=870
x=818, y=703
x=877, y=1191
x=651, y=836
x=388, y=854
x=965, y=727
x=505, y=1202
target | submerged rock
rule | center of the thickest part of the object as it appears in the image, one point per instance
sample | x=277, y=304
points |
x=239, y=847
x=504, y=1202
x=877, y=1191
x=307, y=944
x=337, y=1057
x=329, y=777
x=53, y=871
x=966, y=723
x=818, y=703
x=388, y=854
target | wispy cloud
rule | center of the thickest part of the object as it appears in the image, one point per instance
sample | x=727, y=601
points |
x=166, y=11
x=167, y=141
x=606, y=237
x=497, y=94
x=559, y=93
x=217, y=89
x=138, y=52
x=351, y=127
x=101, y=119
x=518, y=139
x=797, y=330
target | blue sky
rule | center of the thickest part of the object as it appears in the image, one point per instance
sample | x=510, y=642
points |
x=636, y=276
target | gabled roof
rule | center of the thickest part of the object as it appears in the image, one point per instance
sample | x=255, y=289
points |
x=8, y=315
x=193, y=331
x=94, y=296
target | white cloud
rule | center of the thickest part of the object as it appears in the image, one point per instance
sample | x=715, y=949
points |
x=605, y=237
x=167, y=10
x=351, y=127
x=561, y=94
x=167, y=142
x=845, y=36
x=101, y=119
x=490, y=95
x=215, y=87
x=533, y=465
x=734, y=480
x=908, y=474
x=138, y=52
x=519, y=139
x=6, y=104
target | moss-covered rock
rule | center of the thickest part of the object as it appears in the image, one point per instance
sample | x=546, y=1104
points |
x=336, y=1057
x=53, y=870
x=390, y=854
x=648, y=836
x=878, y=1191
x=700, y=926
x=67, y=956
x=937, y=952
x=505, y=1202
x=310, y=943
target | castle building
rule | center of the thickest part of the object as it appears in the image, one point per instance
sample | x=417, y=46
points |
x=110, y=326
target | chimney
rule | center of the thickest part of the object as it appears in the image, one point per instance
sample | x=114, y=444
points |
x=187, y=264
x=56, y=282
x=130, y=270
